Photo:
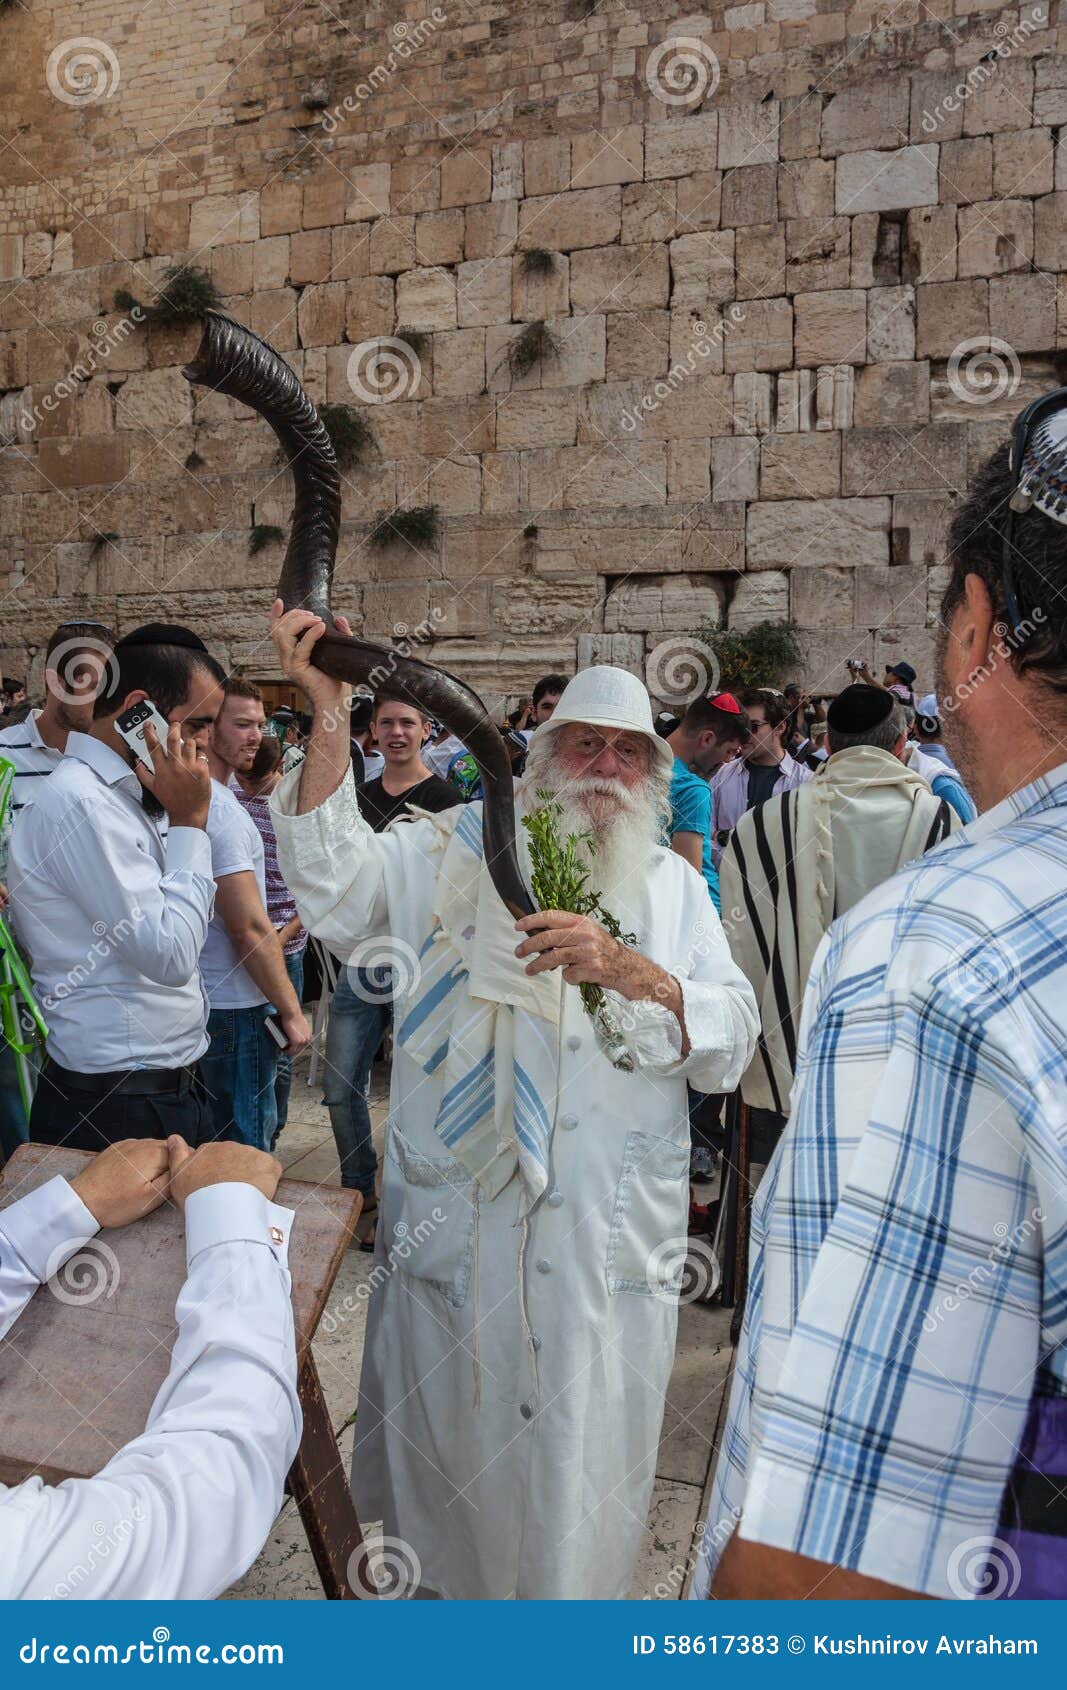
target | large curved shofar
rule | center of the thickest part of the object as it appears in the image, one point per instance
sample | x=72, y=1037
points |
x=231, y=359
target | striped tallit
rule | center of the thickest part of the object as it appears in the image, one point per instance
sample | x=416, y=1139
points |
x=796, y=863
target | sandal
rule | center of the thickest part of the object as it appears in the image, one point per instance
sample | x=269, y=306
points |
x=367, y=1243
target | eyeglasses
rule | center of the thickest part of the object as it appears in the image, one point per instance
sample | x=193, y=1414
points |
x=1041, y=481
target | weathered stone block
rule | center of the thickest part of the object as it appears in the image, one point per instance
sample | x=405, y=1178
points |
x=831, y=327
x=466, y=177
x=490, y=229
x=547, y=165
x=531, y=420
x=270, y=262
x=748, y=134
x=871, y=115
x=439, y=237
x=890, y=596
x=699, y=200
x=601, y=157
x=459, y=362
x=1022, y=164
x=965, y=170
x=760, y=597
x=453, y=428
x=929, y=252
x=806, y=188
x=871, y=181
x=563, y=222
x=311, y=256
x=426, y=299
x=483, y=292
x=320, y=315
x=702, y=268
x=370, y=309
x=841, y=533
x=890, y=325
x=824, y=598
x=507, y=171
x=392, y=245
x=324, y=201
x=684, y=144
x=154, y=400
x=1022, y=311
x=638, y=344
x=83, y=463
x=995, y=237
x=761, y=338
x=1005, y=101
x=817, y=252
x=369, y=193
x=904, y=460
x=800, y=466
x=620, y=278
x=663, y=604
x=279, y=210
x=1050, y=232
x=649, y=212
x=892, y=395
x=218, y=219
x=752, y=403
x=538, y=296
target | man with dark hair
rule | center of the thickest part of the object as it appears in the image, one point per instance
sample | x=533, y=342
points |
x=113, y=914
x=243, y=965
x=546, y=695
x=708, y=735
x=898, y=1421
x=764, y=769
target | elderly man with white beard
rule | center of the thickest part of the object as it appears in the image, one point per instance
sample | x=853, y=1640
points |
x=534, y=1200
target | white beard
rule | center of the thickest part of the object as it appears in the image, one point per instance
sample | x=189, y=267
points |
x=624, y=824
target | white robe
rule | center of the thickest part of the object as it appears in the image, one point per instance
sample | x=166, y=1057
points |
x=514, y=1377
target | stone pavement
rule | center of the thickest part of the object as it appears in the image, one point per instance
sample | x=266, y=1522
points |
x=285, y=1570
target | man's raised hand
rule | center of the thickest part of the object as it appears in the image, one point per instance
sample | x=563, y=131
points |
x=127, y=1180
x=295, y=634
x=180, y=777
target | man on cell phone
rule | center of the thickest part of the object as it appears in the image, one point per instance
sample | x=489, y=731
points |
x=243, y=964
x=112, y=891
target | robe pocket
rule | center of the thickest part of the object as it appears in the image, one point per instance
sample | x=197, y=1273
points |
x=432, y=1233
x=651, y=1210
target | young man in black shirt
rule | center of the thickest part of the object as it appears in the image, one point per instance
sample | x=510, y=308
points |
x=360, y=1008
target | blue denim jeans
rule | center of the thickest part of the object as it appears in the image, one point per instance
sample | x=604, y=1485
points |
x=239, y=1071
x=14, y=1128
x=359, y=1015
x=294, y=967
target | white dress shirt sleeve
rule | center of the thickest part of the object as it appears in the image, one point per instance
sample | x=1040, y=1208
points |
x=183, y=1510
x=37, y=1235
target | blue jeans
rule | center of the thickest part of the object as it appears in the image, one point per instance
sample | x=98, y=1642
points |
x=14, y=1127
x=239, y=1071
x=359, y=1015
x=294, y=967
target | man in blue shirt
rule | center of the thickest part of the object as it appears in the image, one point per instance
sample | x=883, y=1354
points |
x=710, y=733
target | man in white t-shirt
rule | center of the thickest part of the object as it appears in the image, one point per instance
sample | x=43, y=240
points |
x=242, y=963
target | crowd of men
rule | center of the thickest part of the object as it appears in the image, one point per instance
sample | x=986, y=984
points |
x=793, y=899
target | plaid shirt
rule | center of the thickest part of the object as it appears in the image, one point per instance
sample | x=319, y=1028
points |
x=909, y=1255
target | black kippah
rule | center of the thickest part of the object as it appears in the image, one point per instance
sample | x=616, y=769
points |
x=162, y=633
x=859, y=708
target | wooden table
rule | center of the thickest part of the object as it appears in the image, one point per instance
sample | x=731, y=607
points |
x=78, y=1377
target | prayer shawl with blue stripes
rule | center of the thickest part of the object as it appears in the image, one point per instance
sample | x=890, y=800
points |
x=490, y=1029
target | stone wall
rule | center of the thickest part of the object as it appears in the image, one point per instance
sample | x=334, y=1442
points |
x=771, y=244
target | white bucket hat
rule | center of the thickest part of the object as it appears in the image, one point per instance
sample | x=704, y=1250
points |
x=606, y=697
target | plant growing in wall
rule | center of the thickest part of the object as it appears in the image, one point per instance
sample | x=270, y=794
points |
x=187, y=292
x=418, y=526
x=351, y=436
x=415, y=339
x=538, y=262
x=530, y=348
x=764, y=655
x=102, y=538
x=263, y=534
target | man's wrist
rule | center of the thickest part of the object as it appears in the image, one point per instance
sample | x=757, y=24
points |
x=188, y=818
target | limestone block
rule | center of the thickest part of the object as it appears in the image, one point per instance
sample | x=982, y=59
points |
x=749, y=195
x=63, y=252
x=311, y=256
x=1022, y=311
x=1006, y=100
x=392, y=245
x=490, y=229
x=392, y=605
x=369, y=193
x=547, y=165
x=800, y=466
x=948, y=312
x=914, y=645
x=272, y=314
x=663, y=604
x=10, y=257
x=748, y=134
x=831, y=327
x=270, y=262
x=439, y=237
x=608, y=475
x=154, y=400
x=995, y=237
x=536, y=297
x=453, y=427
x=370, y=308
x=218, y=219
x=936, y=108
x=761, y=336
x=600, y=157
x=761, y=597
x=688, y=471
x=623, y=651
x=453, y=484
x=699, y=200
x=1050, y=91
x=320, y=315
x=507, y=171
x=929, y=252
x=760, y=257
x=822, y=599
x=1050, y=232
x=795, y=402
x=583, y=343
x=459, y=611
x=752, y=403
x=279, y=210
x=566, y=221
x=415, y=185
x=620, y=278
x=483, y=292
x=324, y=201
x=649, y=212
x=38, y=253
x=842, y=533
x=834, y=392
x=801, y=121
x=466, y=177
x=534, y=420
x=817, y=251
x=559, y=604
x=638, y=344
x=890, y=325
x=868, y=115
x=806, y=188
x=687, y=142
x=892, y=395
x=889, y=596
x=696, y=343
x=904, y=460
x=426, y=299
x=965, y=170
x=702, y=268
x=83, y=463
x=824, y=653
x=67, y=298
x=459, y=362
x=873, y=181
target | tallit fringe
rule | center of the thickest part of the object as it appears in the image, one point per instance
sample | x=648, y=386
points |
x=475, y=1358
x=524, y=1240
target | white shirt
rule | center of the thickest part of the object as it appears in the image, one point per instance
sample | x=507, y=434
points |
x=437, y=757
x=236, y=848
x=183, y=1510
x=23, y=746
x=112, y=917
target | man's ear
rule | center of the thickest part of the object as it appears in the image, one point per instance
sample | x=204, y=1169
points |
x=975, y=630
x=131, y=699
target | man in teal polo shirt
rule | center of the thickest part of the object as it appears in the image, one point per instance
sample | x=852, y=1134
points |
x=710, y=733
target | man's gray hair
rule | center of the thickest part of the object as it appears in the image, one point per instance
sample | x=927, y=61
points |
x=884, y=736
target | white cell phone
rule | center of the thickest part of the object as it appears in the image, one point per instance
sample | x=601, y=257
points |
x=273, y=1028
x=131, y=725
